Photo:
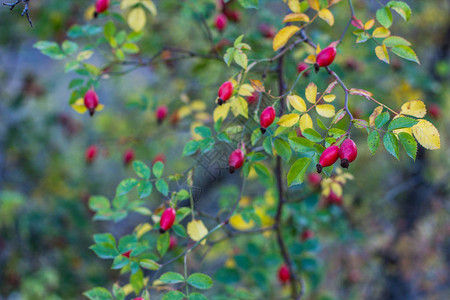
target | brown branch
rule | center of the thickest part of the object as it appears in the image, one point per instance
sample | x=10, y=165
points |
x=25, y=8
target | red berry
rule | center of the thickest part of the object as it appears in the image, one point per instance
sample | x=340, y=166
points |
x=167, y=219
x=347, y=152
x=159, y=157
x=221, y=22
x=128, y=156
x=91, y=153
x=101, y=6
x=233, y=15
x=253, y=98
x=326, y=57
x=302, y=67
x=283, y=274
x=91, y=101
x=328, y=157
x=314, y=180
x=236, y=160
x=161, y=113
x=127, y=254
x=334, y=199
x=266, y=118
x=307, y=234
x=172, y=242
x=225, y=92
x=267, y=31
x=138, y=298
x=435, y=111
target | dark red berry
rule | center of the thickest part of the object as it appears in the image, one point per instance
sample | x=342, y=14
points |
x=221, y=22
x=91, y=153
x=167, y=219
x=128, y=156
x=159, y=157
x=253, y=97
x=91, y=101
x=267, y=31
x=161, y=113
x=266, y=118
x=138, y=298
x=225, y=92
x=347, y=152
x=283, y=274
x=172, y=242
x=127, y=254
x=314, y=180
x=334, y=199
x=328, y=157
x=307, y=234
x=326, y=57
x=302, y=67
x=233, y=15
x=236, y=160
x=435, y=111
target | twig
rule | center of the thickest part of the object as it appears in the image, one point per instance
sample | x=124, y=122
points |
x=25, y=8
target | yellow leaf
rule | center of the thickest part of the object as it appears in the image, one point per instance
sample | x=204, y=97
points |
x=326, y=15
x=336, y=188
x=311, y=59
x=237, y=222
x=311, y=93
x=79, y=106
x=184, y=111
x=197, y=230
x=427, y=135
x=297, y=102
x=198, y=105
x=369, y=24
x=283, y=36
x=325, y=110
x=266, y=220
x=257, y=85
x=221, y=111
x=239, y=106
x=381, y=32
x=89, y=13
x=150, y=6
x=314, y=4
x=305, y=122
x=318, y=49
x=296, y=18
x=329, y=98
x=142, y=229
x=414, y=108
x=202, y=116
x=288, y=120
x=136, y=19
x=382, y=53
x=128, y=3
x=246, y=90
x=294, y=5
x=374, y=115
x=99, y=107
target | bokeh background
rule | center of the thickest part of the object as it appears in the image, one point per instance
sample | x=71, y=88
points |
x=393, y=242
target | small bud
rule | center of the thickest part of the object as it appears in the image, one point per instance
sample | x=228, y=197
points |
x=283, y=274
x=127, y=254
x=221, y=22
x=435, y=111
x=161, y=113
x=267, y=31
x=233, y=15
x=128, y=156
x=91, y=153
x=307, y=234
x=302, y=67
x=159, y=157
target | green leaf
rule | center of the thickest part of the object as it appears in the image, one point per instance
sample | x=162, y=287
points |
x=75, y=83
x=98, y=203
x=171, y=277
x=149, y=264
x=126, y=186
x=104, y=238
x=382, y=119
x=312, y=135
x=395, y=41
x=373, y=140
x=190, y=148
x=137, y=281
x=391, y=144
x=384, y=16
x=93, y=70
x=197, y=296
x=119, y=262
x=104, y=250
x=182, y=213
x=69, y=47
x=126, y=243
x=401, y=8
x=145, y=188
x=249, y=3
x=402, y=122
x=162, y=187
x=283, y=149
x=173, y=295
x=158, y=169
x=406, y=53
x=98, y=293
x=409, y=143
x=320, y=124
x=297, y=172
x=262, y=171
x=120, y=202
x=141, y=169
x=228, y=57
x=267, y=145
x=301, y=145
x=109, y=29
x=256, y=135
x=84, y=55
x=241, y=59
x=51, y=49
x=200, y=281
x=163, y=243
x=71, y=66
x=203, y=131
x=130, y=48
x=179, y=230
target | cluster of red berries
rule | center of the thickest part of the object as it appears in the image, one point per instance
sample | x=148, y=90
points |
x=226, y=14
x=347, y=153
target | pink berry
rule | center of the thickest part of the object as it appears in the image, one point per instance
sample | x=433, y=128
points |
x=167, y=219
x=91, y=101
x=225, y=92
x=267, y=117
x=236, y=160
x=221, y=22
x=326, y=57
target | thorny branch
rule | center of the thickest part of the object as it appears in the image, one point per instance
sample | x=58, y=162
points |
x=25, y=8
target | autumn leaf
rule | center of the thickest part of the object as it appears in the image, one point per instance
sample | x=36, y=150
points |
x=137, y=19
x=305, y=122
x=296, y=18
x=237, y=222
x=288, y=120
x=427, y=135
x=414, y=108
x=197, y=230
x=221, y=111
x=283, y=36
x=311, y=93
x=382, y=53
x=325, y=110
x=326, y=15
x=297, y=102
